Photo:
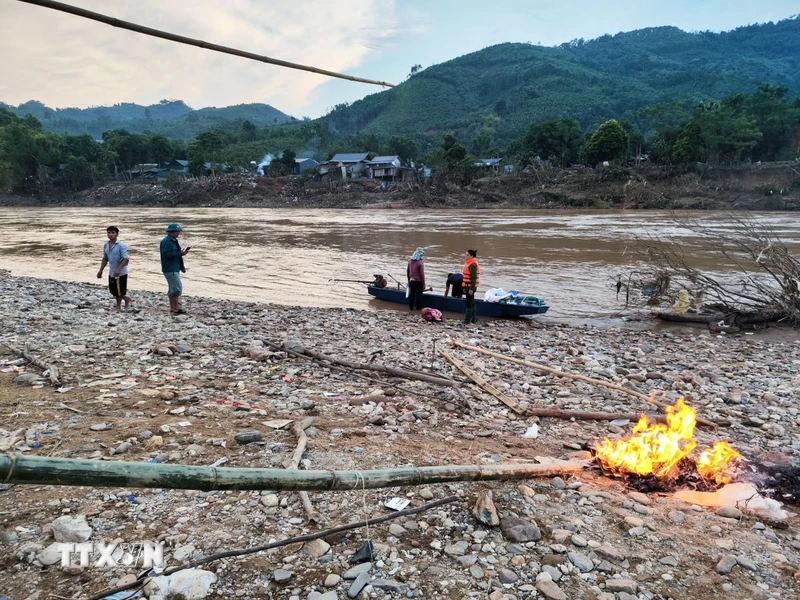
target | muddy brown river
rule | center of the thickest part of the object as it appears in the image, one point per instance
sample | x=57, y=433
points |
x=286, y=256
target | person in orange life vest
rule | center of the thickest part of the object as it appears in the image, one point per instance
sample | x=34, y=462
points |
x=416, y=279
x=472, y=274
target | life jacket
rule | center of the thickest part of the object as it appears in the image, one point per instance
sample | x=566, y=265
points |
x=471, y=260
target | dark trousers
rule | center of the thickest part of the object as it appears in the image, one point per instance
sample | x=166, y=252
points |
x=470, y=317
x=415, y=295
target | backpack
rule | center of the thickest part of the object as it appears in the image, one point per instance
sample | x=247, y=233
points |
x=431, y=314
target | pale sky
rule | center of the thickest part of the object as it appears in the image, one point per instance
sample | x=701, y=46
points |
x=65, y=61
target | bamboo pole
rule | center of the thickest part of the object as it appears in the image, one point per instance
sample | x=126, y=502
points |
x=596, y=382
x=165, y=35
x=41, y=470
x=482, y=383
x=578, y=415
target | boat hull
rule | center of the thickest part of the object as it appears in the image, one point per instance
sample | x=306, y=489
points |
x=458, y=305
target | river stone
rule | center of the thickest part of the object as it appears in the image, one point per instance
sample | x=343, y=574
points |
x=726, y=564
x=332, y=580
x=71, y=529
x=519, y=530
x=622, y=585
x=581, y=561
x=281, y=575
x=730, y=512
x=354, y=572
x=248, y=437
x=361, y=581
x=485, y=511
x=550, y=590
x=317, y=548
x=190, y=584
x=50, y=555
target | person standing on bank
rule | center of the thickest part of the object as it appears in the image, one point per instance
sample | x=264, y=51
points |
x=416, y=279
x=115, y=254
x=172, y=266
x=472, y=274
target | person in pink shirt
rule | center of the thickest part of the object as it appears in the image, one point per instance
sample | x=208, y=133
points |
x=416, y=279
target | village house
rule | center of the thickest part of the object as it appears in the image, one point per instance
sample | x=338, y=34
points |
x=302, y=165
x=490, y=165
x=346, y=166
x=390, y=168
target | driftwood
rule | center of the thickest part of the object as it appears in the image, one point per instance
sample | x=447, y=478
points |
x=279, y=348
x=41, y=470
x=555, y=413
x=596, y=382
x=299, y=431
x=51, y=369
x=482, y=383
x=141, y=581
x=384, y=369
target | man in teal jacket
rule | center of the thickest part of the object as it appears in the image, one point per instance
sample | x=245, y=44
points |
x=172, y=266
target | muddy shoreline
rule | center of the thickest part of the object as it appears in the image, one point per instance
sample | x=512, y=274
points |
x=178, y=389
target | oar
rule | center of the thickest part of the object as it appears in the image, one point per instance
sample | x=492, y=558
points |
x=350, y=281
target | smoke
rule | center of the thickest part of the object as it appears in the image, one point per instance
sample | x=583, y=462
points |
x=264, y=163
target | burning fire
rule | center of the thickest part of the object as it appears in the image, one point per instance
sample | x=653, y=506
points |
x=655, y=449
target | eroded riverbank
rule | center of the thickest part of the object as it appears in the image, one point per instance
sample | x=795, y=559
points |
x=178, y=389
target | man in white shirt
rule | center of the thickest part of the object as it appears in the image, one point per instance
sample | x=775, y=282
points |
x=115, y=255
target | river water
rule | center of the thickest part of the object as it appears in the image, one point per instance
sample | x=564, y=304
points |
x=289, y=256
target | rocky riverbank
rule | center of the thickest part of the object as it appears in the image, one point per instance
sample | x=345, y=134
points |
x=145, y=386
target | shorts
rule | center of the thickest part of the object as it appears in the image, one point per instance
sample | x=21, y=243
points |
x=174, y=282
x=118, y=287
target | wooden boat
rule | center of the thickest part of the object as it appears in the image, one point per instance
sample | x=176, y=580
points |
x=534, y=305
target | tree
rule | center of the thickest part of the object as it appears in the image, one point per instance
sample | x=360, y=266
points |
x=405, y=148
x=716, y=133
x=608, y=142
x=283, y=165
x=205, y=147
x=415, y=69
x=558, y=141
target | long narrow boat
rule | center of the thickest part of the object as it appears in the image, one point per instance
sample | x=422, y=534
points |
x=534, y=305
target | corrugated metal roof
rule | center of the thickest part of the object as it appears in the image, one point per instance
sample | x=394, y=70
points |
x=384, y=159
x=349, y=157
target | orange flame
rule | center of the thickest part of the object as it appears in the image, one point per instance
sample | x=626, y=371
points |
x=655, y=449
x=713, y=464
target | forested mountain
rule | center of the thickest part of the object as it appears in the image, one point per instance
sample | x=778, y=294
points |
x=172, y=118
x=502, y=89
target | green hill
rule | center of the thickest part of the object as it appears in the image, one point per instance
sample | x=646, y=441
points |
x=504, y=88
x=172, y=118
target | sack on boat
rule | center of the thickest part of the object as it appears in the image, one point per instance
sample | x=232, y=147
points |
x=495, y=295
x=431, y=314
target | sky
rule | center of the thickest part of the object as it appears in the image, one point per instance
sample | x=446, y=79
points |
x=67, y=61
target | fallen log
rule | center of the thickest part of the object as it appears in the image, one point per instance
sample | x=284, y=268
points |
x=383, y=369
x=482, y=383
x=333, y=365
x=52, y=370
x=596, y=382
x=141, y=580
x=41, y=470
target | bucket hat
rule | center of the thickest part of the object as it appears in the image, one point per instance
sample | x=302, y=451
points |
x=174, y=227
